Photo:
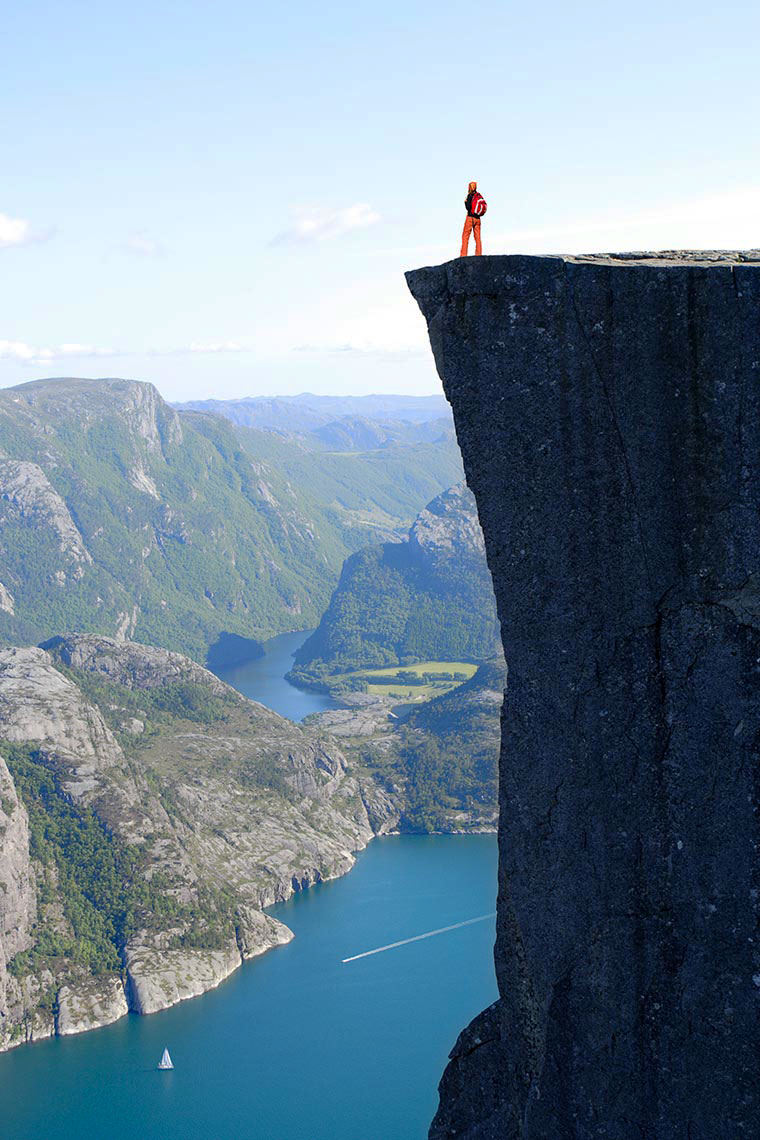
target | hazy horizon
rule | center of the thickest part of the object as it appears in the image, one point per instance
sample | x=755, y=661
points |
x=201, y=397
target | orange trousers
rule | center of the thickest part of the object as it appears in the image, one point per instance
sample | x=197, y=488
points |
x=471, y=226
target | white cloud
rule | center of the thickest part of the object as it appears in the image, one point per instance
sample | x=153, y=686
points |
x=17, y=231
x=321, y=225
x=32, y=354
x=216, y=346
x=35, y=354
x=144, y=245
x=14, y=231
x=17, y=350
x=85, y=350
x=362, y=350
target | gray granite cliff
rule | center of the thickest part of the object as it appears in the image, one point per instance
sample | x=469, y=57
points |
x=608, y=411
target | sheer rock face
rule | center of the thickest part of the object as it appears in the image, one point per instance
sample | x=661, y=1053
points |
x=608, y=411
x=18, y=901
x=26, y=492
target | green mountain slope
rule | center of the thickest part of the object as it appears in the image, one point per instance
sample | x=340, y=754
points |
x=446, y=755
x=119, y=515
x=428, y=598
x=360, y=496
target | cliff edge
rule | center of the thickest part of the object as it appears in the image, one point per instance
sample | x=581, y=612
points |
x=608, y=411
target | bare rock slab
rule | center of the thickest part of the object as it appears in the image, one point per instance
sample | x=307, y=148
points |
x=92, y=1003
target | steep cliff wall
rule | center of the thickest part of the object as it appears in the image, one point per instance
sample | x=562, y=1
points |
x=608, y=411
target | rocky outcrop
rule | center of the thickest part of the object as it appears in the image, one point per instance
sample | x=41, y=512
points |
x=127, y=663
x=18, y=901
x=7, y=601
x=448, y=528
x=159, y=979
x=364, y=715
x=223, y=803
x=41, y=707
x=17, y=893
x=257, y=932
x=88, y=1003
x=26, y=492
x=608, y=411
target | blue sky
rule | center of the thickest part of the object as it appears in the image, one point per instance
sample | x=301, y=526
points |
x=222, y=197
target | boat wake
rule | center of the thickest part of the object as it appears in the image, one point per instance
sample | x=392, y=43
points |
x=419, y=937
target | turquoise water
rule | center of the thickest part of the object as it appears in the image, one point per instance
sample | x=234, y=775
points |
x=295, y=1045
x=263, y=679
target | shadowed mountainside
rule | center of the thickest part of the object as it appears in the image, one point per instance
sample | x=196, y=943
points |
x=608, y=411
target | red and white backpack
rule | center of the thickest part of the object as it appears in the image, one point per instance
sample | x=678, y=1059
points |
x=478, y=205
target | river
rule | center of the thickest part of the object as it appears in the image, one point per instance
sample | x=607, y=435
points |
x=297, y=1044
x=263, y=679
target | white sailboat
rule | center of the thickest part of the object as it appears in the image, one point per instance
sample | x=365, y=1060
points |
x=166, y=1061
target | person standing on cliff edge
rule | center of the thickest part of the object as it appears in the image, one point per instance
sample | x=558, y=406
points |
x=475, y=204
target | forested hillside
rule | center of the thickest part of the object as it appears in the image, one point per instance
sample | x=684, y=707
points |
x=428, y=598
x=440, y=757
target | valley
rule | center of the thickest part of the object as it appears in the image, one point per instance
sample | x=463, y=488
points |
x=151, y=811
x=121, y=516
x=414, y=683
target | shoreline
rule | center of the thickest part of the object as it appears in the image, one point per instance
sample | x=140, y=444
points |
x=121, y=1001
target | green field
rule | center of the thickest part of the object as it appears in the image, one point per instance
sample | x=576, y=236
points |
x=434, y=679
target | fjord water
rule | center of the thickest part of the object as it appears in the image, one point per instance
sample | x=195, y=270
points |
x=262, y=678
x=295, y=1045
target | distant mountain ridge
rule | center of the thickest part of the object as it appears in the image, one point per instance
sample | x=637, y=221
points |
x=307, y=410
x=341, y=423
